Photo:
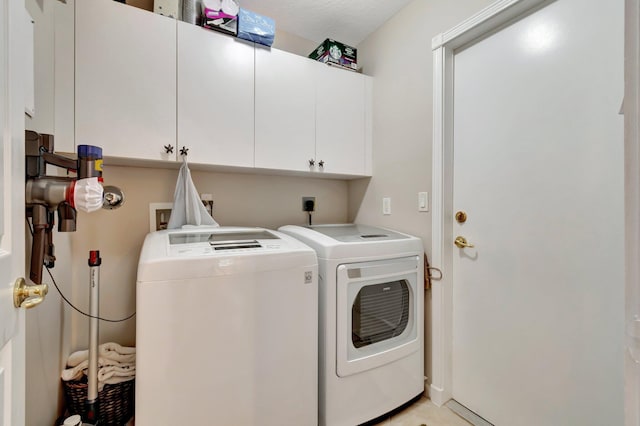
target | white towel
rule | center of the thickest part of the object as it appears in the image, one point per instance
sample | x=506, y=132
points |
x=116, y=374
x=75, y=373
x=116, y=364
x=110, y=350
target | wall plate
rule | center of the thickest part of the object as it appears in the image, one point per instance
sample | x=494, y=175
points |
x=159, y=214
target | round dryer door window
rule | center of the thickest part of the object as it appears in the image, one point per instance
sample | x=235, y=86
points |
x=376, y=313
x=380, y=312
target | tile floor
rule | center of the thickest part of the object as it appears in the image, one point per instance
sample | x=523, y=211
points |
x=424, y=412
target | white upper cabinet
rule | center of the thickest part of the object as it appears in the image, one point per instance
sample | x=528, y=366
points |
x=215, y=97
x=343, y=108
x=310, y=116
x=125, y=80
x=147, y=86
x=285, y=110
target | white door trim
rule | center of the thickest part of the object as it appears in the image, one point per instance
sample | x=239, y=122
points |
x=443, y=45
x=632, y=206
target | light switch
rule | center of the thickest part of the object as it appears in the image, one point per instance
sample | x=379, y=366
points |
x=386, y=206
x=423, y=201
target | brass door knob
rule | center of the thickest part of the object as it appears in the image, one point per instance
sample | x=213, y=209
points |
x=461, y=242
x=28, y=296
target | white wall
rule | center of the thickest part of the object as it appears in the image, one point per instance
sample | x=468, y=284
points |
x=293, y=44
x=398, y=56
x=239, y=199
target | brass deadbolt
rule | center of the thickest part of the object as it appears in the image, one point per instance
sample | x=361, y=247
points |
x=461, y=217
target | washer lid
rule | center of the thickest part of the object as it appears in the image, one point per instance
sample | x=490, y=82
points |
x=352, y=233
x=199, y=252
x=353, y=241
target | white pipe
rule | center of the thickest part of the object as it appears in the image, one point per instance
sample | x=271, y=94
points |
x=94, y=308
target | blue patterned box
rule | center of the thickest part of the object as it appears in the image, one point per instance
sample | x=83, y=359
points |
x=256, y=28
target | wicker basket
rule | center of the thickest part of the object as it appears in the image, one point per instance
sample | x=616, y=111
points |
x=115, y=402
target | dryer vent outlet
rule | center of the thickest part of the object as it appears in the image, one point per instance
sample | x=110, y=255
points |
x=308, y=204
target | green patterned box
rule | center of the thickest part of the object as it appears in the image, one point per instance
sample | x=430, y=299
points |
x=334, y=52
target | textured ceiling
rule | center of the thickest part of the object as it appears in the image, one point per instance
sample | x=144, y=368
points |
x=348, y=21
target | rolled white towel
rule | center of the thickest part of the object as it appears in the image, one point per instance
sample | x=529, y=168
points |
x=76, y=372
x=108, y=350
x=113, y=381
x=125, y=372
x=113, y=374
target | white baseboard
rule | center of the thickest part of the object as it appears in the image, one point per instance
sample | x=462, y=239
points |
x=438, y=396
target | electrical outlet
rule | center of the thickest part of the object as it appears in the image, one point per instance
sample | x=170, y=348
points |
x=308, y=204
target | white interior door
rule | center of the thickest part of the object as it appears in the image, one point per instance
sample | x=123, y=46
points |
x=538, y=168
x=12, y=104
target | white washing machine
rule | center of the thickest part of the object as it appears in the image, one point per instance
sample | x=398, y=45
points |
x=226, y=329
x=371, y=346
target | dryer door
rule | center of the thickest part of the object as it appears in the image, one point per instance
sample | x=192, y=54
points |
x=378, y=313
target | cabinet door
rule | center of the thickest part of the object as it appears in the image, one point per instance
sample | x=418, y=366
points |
x=285, y=110
x=341, y=119
x=125, y=80
x=215, y=97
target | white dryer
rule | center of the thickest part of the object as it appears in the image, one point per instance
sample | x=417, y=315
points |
x=371, y=345
x=226, y=329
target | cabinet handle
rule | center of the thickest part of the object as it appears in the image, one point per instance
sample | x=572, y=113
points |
x=312, y=162
x=321, y=163
x=168, y=149
x=184, y=150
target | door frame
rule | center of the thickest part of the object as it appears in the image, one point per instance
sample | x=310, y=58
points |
x=443, y=46
x=13, y=21
x=631, y=109
x=485, y=22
